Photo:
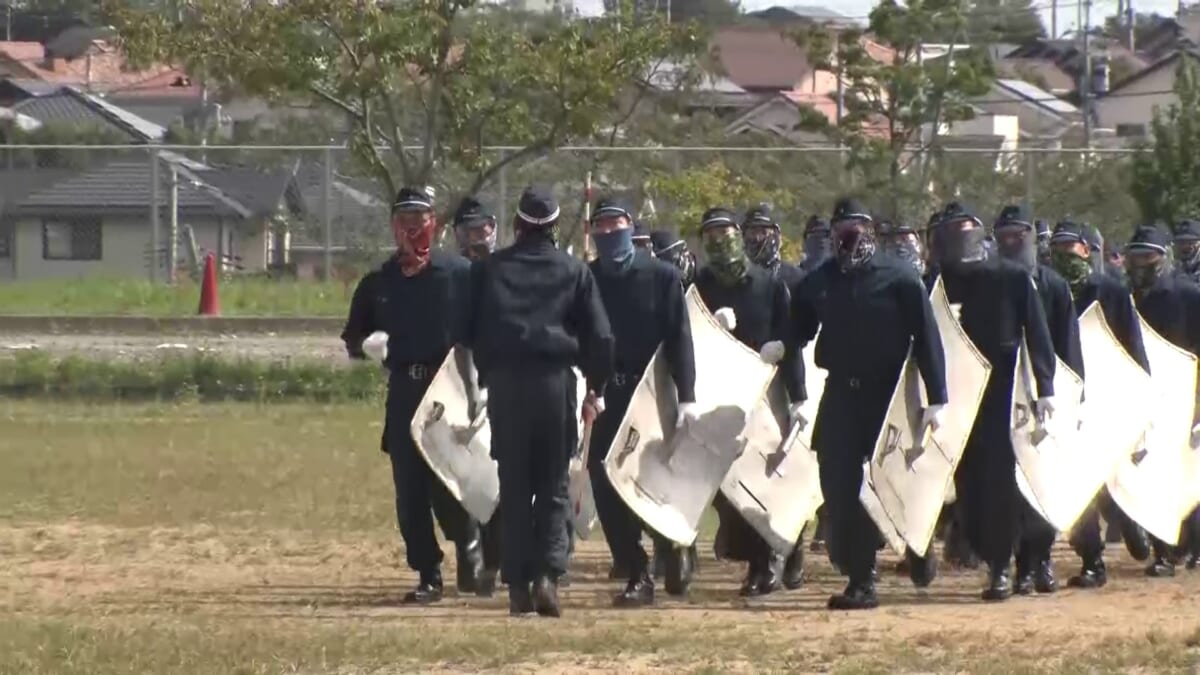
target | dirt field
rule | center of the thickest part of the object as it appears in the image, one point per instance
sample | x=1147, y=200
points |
x=236, y=539
x=128, y=347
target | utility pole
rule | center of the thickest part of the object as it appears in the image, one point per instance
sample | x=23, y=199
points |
x=1130, y=18
x=1054, y=20
x=1085, y=90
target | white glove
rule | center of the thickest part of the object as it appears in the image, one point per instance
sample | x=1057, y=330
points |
x=688, y=412
x=797, y=416
x=375, y=346
x=481, y=398
x=1045, y=408
x=593, y=407
x=772, y=352
x=726, y=318
x=931, y=417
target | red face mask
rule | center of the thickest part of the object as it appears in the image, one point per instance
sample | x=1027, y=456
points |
x=413, y=241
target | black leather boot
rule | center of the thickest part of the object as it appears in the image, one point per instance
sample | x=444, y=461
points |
x=520, y=601
x=679, y=571
x=486, y=586
x=1162, y=567
x=793, y=570
x=921, y=571
x=639, y=592
x=428, y=590
x=999, y=588
x=470, y=565
x=1023, y=584
x=1093, y=575
x=749, y=587
x=1136, y=540
x=770, y=575
x=858, y=595
x=545, y=597
x=1043, y=578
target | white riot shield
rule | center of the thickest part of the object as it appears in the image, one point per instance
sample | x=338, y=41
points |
x=776, y=484
x=1062, y=464
x=579, y=488
x=669, y=477
x=912, y=468
x=1152, y=485
x=457, y=448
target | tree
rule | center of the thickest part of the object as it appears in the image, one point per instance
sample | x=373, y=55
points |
x=425, y=84
x=1166, y=177
x=1144, y=25
x=1014, y=21
x=896, y=106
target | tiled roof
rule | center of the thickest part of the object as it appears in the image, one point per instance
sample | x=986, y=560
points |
x=104, y=72
x=72, y=107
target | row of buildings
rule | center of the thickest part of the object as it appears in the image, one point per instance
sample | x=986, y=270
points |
x=75, y=219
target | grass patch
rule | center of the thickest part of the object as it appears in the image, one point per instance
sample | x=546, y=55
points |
x=239, y=297
x=35, y=374
x=307, y=467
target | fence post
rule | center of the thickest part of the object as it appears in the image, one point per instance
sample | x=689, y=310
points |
x=502, y=206
x=173, y=225
x=155, y=225
x=1029, y=181
x=327, y=213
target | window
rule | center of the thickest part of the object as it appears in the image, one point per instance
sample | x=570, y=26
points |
x=1131, y=130
x=6, y=237
x=71, y=240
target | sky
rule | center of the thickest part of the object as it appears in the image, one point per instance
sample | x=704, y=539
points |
x=1067, y=9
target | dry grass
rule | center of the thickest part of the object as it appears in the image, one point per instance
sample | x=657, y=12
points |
x=241, y=539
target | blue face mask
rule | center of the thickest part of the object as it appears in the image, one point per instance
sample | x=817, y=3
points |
x=615, y=249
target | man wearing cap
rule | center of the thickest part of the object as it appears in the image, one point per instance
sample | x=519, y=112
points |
x=644, y=301
x=817, y=244
x=674, y=251
x=1043, y=241
x=1074, y=256
x=474, y=229
x=764, y=243
x=1171, y=306
x=536, y=313
x=1187, y=249
x=641, y=238
x=752, y=305
x=902, y=242
x=869, y=309
x=408, y=314
x=1016, y=240
x=999, y=308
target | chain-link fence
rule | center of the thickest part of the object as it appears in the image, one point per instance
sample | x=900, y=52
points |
x=316, y=211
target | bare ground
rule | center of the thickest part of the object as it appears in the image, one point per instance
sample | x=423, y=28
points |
x=281, y=601
x=129, y=347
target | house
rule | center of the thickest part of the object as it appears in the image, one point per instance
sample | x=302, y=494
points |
x=1040, y=62
x=97, y=220
x=70, y=107
x=1171, y=34
x=705, y=91
x=94, y=66
x=1039, y=113
x=793, y=14
x=759, y=59
x=1128, y=108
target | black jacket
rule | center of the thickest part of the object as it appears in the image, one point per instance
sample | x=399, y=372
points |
x=1172, y=308
x=646, y=308
x=1117, y=306
x=1061, y=316
x=868, y=318
x=534, y=305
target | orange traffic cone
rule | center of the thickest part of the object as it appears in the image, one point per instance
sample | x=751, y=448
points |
x=210, y=303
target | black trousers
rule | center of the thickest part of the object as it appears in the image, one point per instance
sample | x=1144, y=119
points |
x=491, y=535
x=986, y=477
x=849, y=420
x=1189, y=538
x=533, y=436
x=419, y=493
x=1036, y=537
x=1087, y=539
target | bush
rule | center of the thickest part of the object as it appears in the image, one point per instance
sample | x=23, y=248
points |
x=205, y=377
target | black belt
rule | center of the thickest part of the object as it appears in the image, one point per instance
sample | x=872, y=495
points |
x=417, y=372
x=622, y=380
x=856, y=382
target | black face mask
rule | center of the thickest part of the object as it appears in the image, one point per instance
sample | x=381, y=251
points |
x=765, y=251
x=1188, y=258
x=962, y=247
x=1023, y=251
x=855, y=248
x=817, y=247
x=1043, y=249
x=909, y=251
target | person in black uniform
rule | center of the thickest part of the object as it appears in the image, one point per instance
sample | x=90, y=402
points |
x=536, y=313
x=1170, y=304
x=641, y=238
x=764, y=241
x=999, y=306
x=644, y=301
x=1074, y=258
x=1186, y=244
x=409, y=314
x=903, y=243
x=1043, y=241
x=674, y=251
x=1016, y=240
x=753, y=306
x=869, y=308
x=818, y=244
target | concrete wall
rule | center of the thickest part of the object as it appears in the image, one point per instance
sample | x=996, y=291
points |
x=1135, y=103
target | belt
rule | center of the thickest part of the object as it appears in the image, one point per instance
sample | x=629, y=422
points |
x=856, y=382
x=623, y=379
x=417, y=372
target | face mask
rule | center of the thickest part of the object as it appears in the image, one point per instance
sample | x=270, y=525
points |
x=727, y=255
x=1043, y=249
x=682, y=259
x=765, y=251
x=1143, y=276
x=855, y=248
x=477, y=250
x=962, y=247
x=817, y=247
x=614, y=249
x=1188, y=258
x=413, y=249
x=910, y=252
x=1022, y=251
x=1074, y=269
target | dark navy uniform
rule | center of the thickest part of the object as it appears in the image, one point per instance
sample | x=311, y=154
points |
x=868, y=317
x=1117, y=305
x=1170, y=303
x=424, y=317
x=760, y=304
x=1000, y=308
x=817, y=247
x=536, y=313
x=645, y=305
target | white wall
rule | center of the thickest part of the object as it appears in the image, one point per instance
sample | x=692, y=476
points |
x=1135, y=103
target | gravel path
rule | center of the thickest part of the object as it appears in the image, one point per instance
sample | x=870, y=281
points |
x=266, y=347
